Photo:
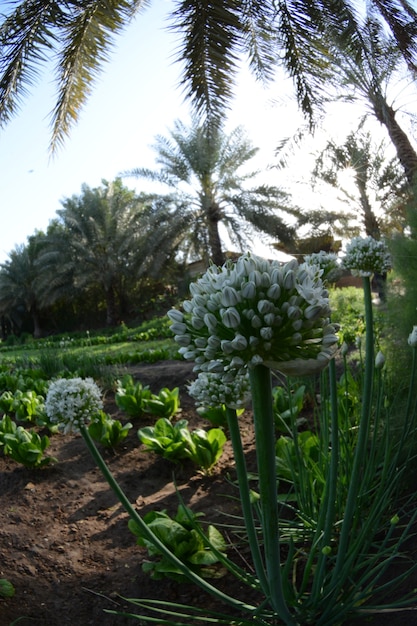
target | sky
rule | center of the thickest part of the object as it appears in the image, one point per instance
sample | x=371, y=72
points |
x=136, y=97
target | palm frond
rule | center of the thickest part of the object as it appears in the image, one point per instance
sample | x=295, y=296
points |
x=27, y=36
x=258, y=33
x=87, y=40
x=401, y=17
x=211, y=34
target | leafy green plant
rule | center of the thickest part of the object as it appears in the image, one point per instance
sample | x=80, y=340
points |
x=176, y=442
x=6, y=402
x=307, y=445
x=287, y=404
x=165, y=404
x=7, y=590
x=205, y=447
x=135, y=399
x=349, y=312
x=7, y=426
x=166, y=439
x=132, y=397
x=28, y=404
x=107, y=431
x=24, y=446
x=185, y=538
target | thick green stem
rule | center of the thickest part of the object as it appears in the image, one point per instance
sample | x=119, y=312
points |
x=328, y=505
x=363, y=433
x=411, y=393
x=261, y=387
x=242, y=477
x=150, y=535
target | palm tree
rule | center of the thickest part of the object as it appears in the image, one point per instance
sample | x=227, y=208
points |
x=368, y=76
x=379, y=183
x=205, y=168
x=19, y=289
x=214, y=34
x=96, y=240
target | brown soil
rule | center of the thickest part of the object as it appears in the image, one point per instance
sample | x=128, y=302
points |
x=64, y=541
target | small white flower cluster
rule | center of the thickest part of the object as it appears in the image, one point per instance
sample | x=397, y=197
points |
x=72, y=402
x=366, y=256
x=254, y=311
x=328, y=262
x=412, y=338
x=210, y=390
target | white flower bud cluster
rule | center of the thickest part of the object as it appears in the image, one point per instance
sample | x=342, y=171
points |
x=211, y=390
x=366, y=256
x=254, y=311
x=328, y=262
x=72, y=402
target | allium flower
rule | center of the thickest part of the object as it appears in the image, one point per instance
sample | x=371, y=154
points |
x=366, y=256
x=215, y=390
x=72, y=402
x=412, y=338
x=255, y=311
x=328, y=262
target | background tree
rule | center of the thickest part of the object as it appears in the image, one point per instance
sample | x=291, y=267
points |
x=378, y=189
x=207, y=171
x=368, y=73
x=98, y=240
x=20, y=292
x=214, y=36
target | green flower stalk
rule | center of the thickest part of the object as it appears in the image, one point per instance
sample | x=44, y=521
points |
x=72, y=404
x=250, y=317
x=364, y=256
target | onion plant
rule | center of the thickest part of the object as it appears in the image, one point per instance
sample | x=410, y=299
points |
x=247, y=319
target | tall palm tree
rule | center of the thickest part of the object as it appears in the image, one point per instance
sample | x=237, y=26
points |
x=367, y=74
x=96, y=241
x=214, y=34
x=379, y=184
x=205, y=168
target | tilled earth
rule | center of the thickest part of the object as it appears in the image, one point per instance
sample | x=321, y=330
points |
x=64, y=541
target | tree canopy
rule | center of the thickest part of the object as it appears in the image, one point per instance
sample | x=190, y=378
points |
x=207, y=171
x=214, y=36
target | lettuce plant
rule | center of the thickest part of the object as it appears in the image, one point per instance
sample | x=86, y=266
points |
x=107, y=431
x=135, y=399
x=132, y=397
x=176, y=442
x=24, y=405
x=24, y=446
x=166, y=439
x=165, y=404
x=184, y=537
x=7, y=590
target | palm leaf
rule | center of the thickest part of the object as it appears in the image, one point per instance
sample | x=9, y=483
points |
x=87, y=39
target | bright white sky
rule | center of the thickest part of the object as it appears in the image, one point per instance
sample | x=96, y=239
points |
x=136, y=98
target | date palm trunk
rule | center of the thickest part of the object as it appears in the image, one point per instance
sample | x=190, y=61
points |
x=111, y=317
x=406, y=154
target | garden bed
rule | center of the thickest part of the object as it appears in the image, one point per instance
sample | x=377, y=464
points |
x=64, y=541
